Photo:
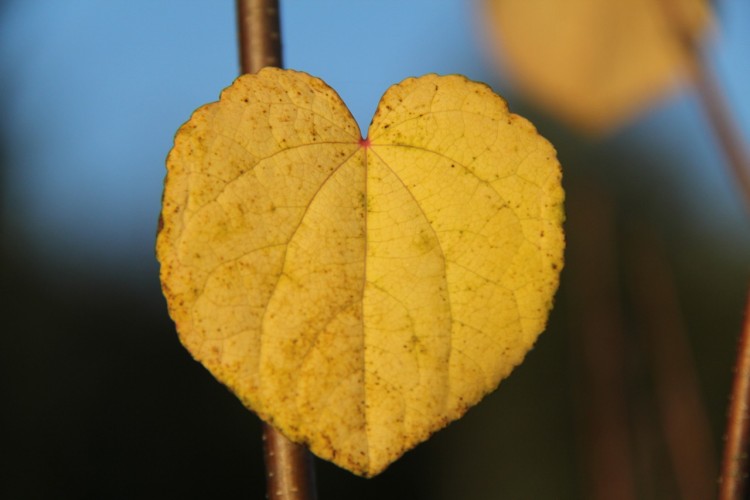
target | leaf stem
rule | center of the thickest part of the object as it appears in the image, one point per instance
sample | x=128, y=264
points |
x=289, y=466
x=734, y=466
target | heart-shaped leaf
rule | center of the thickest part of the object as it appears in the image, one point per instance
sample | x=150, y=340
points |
x=359, y=294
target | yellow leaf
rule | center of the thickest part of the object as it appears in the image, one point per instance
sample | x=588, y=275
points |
x=359, y=294
x=596, y=63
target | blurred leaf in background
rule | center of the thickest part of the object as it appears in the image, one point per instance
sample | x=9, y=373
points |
x=595, y=63
x=655, y=277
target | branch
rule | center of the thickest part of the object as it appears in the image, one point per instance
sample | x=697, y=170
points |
x=289, y=466
x=734, y=466
x=259, y=34
x=601, y=348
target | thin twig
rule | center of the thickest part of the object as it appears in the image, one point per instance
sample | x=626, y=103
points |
x=734, y=466
x=289, y=466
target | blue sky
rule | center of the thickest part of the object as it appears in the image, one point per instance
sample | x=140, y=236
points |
x=95, y=91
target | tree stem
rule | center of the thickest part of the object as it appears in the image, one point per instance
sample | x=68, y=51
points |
x=734, y=466
x=289, y=466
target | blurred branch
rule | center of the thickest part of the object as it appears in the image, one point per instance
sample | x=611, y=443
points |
x=731, y=141
x=602, y=387
x=734, y=466
x=289, y=466
x=684, y=421
x=711, y=97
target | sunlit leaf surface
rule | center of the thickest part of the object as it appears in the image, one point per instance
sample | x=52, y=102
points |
x=360, y=294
